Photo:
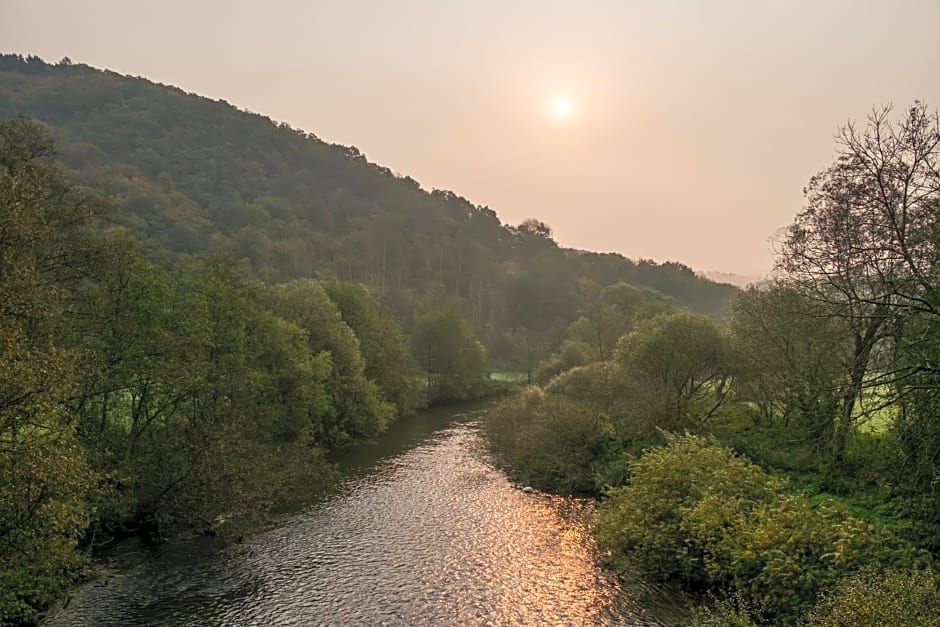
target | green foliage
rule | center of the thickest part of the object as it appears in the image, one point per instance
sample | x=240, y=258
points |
x=570, y=354
x=288, y=382
x=917, y=424
x=724, y=613
x=790, y=358
x=680, y=367
x=134, y=398
x=865, y=247
x=696, y=511
x=585, y=425
x=604, y=316
x=149, y=385
x=523, y=349
x=600, y=386
x=450, y=355
x=548, y=442
x=388, y=359
x=357, y=405
x=193, y=174
x=827, y=374
x=20, y=596
x=43, y=513
x=43, y=472
x=645, y=519
x=787, y=551
x=661, y=378
x=872, y=599
x=607, y=314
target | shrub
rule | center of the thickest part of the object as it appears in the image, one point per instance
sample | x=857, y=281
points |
x=897, y=598
x=680, y=367
x=599, y=385
x=571, y=354
x=696, y=511
x=549, y=442
x=725, y=613
x=786, y=551
x=645, y=518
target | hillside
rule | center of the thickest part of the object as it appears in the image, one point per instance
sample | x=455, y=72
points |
x=187, y=174
x=733, y=278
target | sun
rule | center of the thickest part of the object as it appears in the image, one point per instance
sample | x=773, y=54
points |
x=562, y=107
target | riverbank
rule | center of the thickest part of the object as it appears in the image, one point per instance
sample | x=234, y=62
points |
x=423, y=529
x=689, y=508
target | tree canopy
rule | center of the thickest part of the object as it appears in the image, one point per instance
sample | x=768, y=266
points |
x=191, y=174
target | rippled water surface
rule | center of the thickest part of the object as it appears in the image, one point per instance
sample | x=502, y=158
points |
x=424, y=531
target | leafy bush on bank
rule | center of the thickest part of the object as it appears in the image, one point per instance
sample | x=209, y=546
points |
x=548, y=442
x=696, y=511
x=872, y=598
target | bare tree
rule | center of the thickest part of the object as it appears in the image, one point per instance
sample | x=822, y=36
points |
x=867, y=244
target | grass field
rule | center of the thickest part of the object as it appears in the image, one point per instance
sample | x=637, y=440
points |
x=509, y=376
x=871, y=413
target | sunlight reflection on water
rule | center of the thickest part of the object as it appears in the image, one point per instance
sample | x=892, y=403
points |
x=432, y=536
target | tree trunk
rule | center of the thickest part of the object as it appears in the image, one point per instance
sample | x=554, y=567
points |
x=864, y=343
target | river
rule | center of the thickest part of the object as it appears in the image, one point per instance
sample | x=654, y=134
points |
x=423, y=530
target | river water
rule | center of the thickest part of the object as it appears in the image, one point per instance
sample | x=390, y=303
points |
x=422, y=531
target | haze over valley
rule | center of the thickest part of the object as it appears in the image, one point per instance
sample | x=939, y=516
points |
x=692, y=131
x=470, y=313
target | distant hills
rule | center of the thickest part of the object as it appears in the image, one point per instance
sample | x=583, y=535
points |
x=740, y=280
x=188, y=175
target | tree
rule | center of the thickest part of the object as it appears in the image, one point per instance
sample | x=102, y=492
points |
x=534, y=228
x=790, y=357
x=570, y=354
x=607, y=314
x=357, y=405
x=44, y=478
x=526, y=348
x=388, y=360
x=450, y=355
x=679, y=367
x=194, y=174
x=192, y=402
x=868, y=242
x=547, y=440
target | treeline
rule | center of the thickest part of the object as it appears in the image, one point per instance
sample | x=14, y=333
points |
x=136, y=398
x=787, y=459
x=191, y=174
x=244, y=300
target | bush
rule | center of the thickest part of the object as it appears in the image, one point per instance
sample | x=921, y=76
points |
x=26, y=592
x=725, y=613
x=548, y=442
x=680, y=367
x=19, y=597
x=696, y=511
x=603, y=388
x=571, y=354
x=599, y=385
x=786, y=551
x=645, y=518
x=896, y=598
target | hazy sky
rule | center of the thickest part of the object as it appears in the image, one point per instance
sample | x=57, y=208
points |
x=694, y=125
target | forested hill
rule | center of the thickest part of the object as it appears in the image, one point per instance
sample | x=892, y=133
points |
x=188, y=174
